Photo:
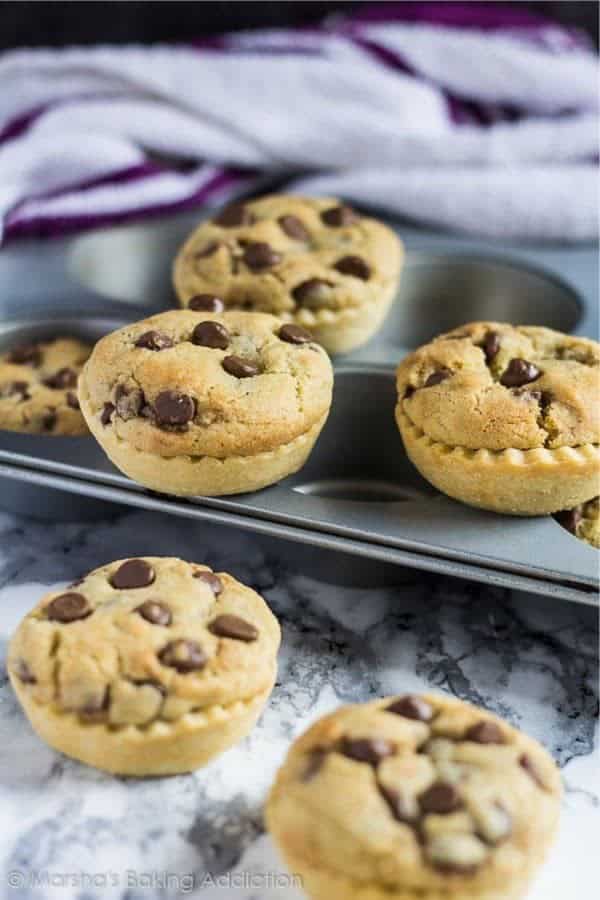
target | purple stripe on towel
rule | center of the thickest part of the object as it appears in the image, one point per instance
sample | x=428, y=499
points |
x=225, y=184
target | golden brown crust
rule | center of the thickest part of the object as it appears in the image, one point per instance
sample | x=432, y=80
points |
x=380, y=803
x=38, y=387
x=472, y=407
x=115, y=664
x=232, y=416
x=349, y=302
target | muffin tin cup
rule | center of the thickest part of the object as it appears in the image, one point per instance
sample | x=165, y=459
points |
x=358, y=493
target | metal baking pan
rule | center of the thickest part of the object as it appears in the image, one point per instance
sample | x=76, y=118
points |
x=358, y=492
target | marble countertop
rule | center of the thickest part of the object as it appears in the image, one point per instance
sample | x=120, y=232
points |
x=67, y=831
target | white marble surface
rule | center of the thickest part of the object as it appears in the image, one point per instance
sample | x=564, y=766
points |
x=67, y=831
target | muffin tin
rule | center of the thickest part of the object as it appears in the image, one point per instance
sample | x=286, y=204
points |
x=358, y=492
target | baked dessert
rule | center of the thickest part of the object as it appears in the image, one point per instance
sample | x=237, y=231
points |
x=198, y=403
x=145, y=666
x=504, y=417
x=38, y=387
x=583, y=521
x=414, y=798
x=312, y=261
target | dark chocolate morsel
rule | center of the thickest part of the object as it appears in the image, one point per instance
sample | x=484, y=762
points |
x=68, y=607
x=212, y=580
x=441, y=798
x=366, y=750
x=437, y=377
x=519, y=372
x=293, y=227
x=206, y=303
x=260, y=255
x=211, y=334
x=26, y=354
x=184, y=656
x=154, y=340
x=72, y=400
x=485, y=732
x=154, y=612
x=355, y=266
x=312, y=293
x=240, y=368
x=491, y=345
x=174, y=409
x=64, y=378
x=411, y=706
x=233, y=627
x=293, y=334
x=133, y=573
x=106, y=414
x=338, y=216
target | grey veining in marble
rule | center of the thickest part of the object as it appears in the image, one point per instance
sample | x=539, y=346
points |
x=67, y=831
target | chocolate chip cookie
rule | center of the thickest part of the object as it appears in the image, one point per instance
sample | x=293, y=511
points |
x=504, y=417
x=414, y=797
x=314, y=262
x=200, y=403
x=145, y=666
x=38, y=387
x=583, y=521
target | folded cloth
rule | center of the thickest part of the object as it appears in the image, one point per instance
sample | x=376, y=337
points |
x=471, y=116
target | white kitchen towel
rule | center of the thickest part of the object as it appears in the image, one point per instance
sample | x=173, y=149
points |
x=470, y=116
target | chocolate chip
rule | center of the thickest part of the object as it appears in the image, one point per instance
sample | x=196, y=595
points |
x=49, y=420
x=64, y=378
x=174, y=409
x=339, y=216
x=133, y=573
x=293, y=334
x=485, y=732
x=409, y=391
x=129, y=402
x=233, y=627
x=211, y=334
x=154, y=612
x=315, y=762
x=491, y=345
x=355, y=266
x=184, y=656
x=14, y=389
x=68, y=608
x=95, y=711
x=367, y=750
x=212, y=580
x=259, y=255
x=24, y=673
x=527, y=764
x=206, y=303
x=569, y=519
x=437, y=377
x=312, y=293
x=72, y=400
x=411, y=707
x=234, y=215
x=293, y=227
x=154, y=340
x=106, y=414
x=519, y=372
x=26, y=354
x=208, y=250
x=399, y=805
x=240, y=368
x=441, y=798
